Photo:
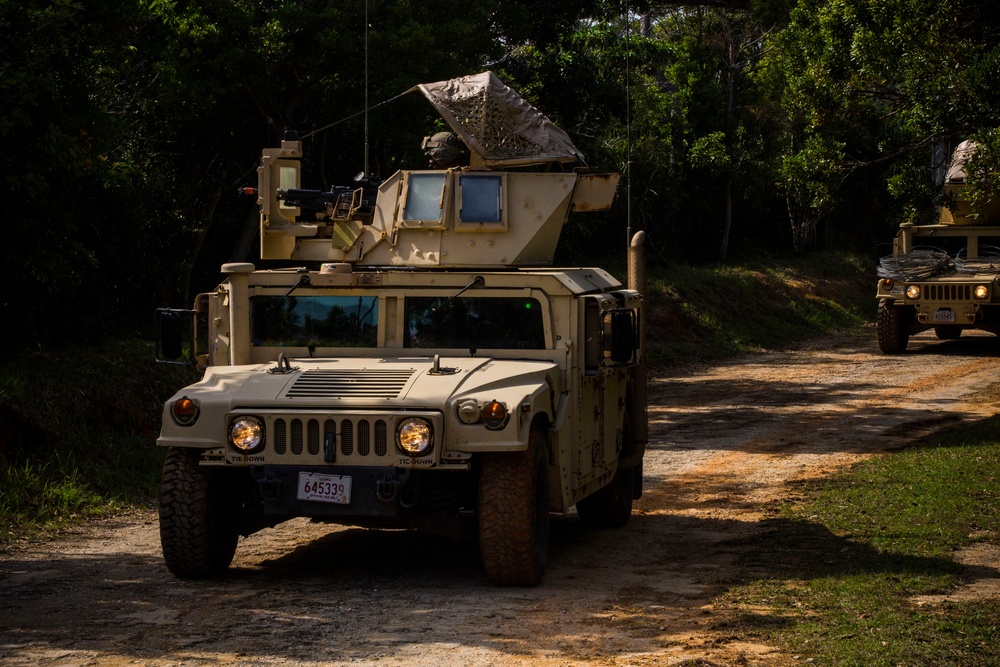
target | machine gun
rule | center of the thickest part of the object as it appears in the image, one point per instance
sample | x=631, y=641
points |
x=341, y=202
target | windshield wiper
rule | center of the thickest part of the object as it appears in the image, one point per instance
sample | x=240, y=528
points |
x=304, y=281
x=479, y=281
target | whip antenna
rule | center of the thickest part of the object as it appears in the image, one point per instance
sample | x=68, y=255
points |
x=628, y=128
x=366, y=88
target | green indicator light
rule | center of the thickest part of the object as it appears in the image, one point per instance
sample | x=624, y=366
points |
x=527, y=305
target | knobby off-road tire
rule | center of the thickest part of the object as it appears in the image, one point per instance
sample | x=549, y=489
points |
x=611, y=505
x=893, y=327
x=947, y=332
x=514, y=514
x=198, y=541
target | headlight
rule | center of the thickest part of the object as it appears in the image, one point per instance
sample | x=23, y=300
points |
x=495, y=415
x=184, y=411
x=246, y=434
x=981, y=291
x=913, y=291
x=414, y=437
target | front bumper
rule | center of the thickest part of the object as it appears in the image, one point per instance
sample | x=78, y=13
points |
x=375, y=492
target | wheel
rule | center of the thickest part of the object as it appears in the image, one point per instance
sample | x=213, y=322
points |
x=947, y=332
x=197, y=539
x=514, y=514
x=611, y=505
x=893, y=328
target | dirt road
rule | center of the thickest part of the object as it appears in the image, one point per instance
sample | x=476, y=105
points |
x=729, y=443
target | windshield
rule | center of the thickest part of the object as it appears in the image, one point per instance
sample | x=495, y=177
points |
x=506, y=323
x=314, y=321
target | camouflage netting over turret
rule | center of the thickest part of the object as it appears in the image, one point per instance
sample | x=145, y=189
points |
x=497, y=124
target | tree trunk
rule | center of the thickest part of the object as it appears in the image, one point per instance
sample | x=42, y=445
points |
x=249, y=232
x=728, y=223
x=803, y=221
x=205, y=216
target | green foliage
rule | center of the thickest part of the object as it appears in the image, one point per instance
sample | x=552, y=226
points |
x=668, y=99
x=129, y=125
x=710, y=152
x=811, y=174
x=871, y=88
x=77, y=429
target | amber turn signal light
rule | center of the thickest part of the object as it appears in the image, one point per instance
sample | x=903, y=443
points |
x=184, y=411
x=495, y=415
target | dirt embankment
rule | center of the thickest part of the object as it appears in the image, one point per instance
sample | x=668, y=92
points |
x=729, y=443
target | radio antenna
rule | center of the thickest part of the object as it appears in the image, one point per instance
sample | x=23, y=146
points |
x=366, y=89
x=628, y=127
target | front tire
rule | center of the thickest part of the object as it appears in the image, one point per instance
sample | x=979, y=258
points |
x=514, y=514
x=893, y=327
x=197, y=539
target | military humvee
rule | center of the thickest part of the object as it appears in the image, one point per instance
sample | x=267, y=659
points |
x=425, y=367
x=944, y=276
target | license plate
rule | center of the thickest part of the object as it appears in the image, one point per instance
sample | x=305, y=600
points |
x=324, y=488
x=944, y=316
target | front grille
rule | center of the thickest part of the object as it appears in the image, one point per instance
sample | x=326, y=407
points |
x=298, y=437
x=945, y=292
x=351, y=383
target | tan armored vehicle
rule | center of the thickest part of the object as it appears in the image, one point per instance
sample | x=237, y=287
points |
x=942, y=276
x=425, y=367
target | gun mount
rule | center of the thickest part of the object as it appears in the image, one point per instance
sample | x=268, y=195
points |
x=488, y=213
x=341, y=202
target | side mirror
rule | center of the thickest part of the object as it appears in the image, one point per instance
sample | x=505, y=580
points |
x=620, y=342
x=173, y=329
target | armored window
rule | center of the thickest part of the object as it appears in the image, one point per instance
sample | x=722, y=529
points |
x=480, y=198
x=424, y=196
x=314, y=321
x=288, y=179
x=503, y=323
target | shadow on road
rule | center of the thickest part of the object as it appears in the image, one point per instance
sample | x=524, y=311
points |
x=370, y=595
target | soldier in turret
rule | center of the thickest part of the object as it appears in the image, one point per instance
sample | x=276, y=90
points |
x=445, y=151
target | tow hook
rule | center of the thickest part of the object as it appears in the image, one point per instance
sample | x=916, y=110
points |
x=269, y=488
x=386, y=490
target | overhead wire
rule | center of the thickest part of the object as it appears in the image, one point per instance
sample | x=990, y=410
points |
x=354, y=115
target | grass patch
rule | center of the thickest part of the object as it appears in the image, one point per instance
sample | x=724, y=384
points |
x=77, y=433
x=710, y=312
x=837, y=575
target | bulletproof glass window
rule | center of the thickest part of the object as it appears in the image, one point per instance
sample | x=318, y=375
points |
x=503, y=323
x=424, y=197
x=314, y=321
x=480, y=198
x=288, y=179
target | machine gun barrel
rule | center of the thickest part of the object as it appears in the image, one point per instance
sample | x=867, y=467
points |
x=341, y=202
x=316, y=200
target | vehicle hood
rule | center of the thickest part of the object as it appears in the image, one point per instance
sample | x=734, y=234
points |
x=362, y=383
